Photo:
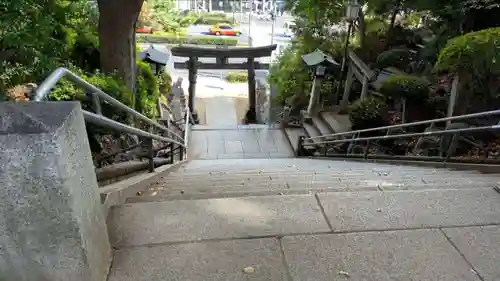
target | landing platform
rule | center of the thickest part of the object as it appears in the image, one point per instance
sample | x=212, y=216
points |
x=238, y=142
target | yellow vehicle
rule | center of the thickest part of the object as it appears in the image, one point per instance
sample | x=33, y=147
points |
x=224, y=29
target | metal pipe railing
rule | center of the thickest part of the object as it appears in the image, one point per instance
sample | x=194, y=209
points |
x=98, y=119
x=397, y=136
x=49, y=83
x=453, y=118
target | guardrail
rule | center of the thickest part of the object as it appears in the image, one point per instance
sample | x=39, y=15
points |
x=325, y=144
x=175, y=142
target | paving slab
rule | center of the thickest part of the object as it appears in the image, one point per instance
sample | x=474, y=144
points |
x=481, y=247
x=175, y=221
x=238, y=143
x=208, y=261
x=420, y=255
x=411, y=209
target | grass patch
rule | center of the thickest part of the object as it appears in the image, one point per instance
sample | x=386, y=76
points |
x=237, y=77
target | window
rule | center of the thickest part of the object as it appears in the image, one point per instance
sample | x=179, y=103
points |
x=225, y=27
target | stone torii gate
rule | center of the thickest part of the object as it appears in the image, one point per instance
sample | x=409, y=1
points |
x=222, y=55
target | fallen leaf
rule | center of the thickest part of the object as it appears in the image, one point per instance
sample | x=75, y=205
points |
x=344, y=273
x=249, y=270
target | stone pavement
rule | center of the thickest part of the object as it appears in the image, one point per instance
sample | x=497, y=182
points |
x=243, y=141
x=444, y=235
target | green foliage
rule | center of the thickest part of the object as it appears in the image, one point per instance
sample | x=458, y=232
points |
x=289, y=76
x=38, y=36
x=237, y=77
x=212, y=18
x=110, y=84
x=164, y=83
x=477, y=53
x=412, y=88
x=147, y=90
x=183, y=39
x=367, y=113
x=398, y=57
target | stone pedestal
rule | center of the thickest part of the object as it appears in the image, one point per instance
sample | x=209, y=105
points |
x=52, y=225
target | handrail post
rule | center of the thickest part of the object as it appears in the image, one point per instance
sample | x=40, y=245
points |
x=181, y=153
x=96, y=103
x=453, y=145
x=172, y=151
x=366, y=149
x=300, y=146
x=151, y=154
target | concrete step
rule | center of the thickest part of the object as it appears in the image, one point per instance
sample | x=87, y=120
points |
x=293, y=135
x=232, y=191
x=338, y=123
x=288, y=164
x=270, y=216
x=285, y=173
x=312, y=132
x=401, y=183
x=323, y=128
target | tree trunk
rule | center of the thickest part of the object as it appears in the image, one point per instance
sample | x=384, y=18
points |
x=362, y=29
x=117, y=20
x=465, y=94
x=389, y=35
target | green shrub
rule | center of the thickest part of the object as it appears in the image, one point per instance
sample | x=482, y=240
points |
x=165, y=83
x=399, y=58
x=110, y=84
x=289, y=76
x=147, y=90
x=183, y=39
x=367, y=113
x=476, y=53
x=85, y=51
x=412, y=88
x=237, y=77
x=212, y=18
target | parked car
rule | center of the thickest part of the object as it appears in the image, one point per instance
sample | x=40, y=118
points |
x=144, y=29
x=224, y=29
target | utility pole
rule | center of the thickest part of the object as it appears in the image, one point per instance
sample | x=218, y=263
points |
x=250, y=29
x=241, y=11
x=273, y=18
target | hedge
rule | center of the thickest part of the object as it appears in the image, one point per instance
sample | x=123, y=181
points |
x=183, y=39
x=475, y=52
x=237, y=77
x=405, y=86
x=367, y=113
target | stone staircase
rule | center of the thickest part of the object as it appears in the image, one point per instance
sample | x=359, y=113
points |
x=307, y=219
x=324, y=123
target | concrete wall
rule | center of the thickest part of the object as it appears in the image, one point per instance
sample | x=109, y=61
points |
x=52, y=226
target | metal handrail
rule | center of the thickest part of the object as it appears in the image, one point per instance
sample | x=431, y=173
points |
x=453, y=118
x=98, y=119
x=48, y=84
x=396, y=136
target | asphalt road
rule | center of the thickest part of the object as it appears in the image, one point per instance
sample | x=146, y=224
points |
x=261, y=33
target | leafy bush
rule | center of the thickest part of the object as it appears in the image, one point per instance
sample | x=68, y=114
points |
x=212, y=18
x=183, y=39
x=111, y=85
x=289, y=76
x=147, y=90
x=405, y=86
x=475, y=53
x=165, y=83
x=367, y=113
x=237, y=77
x=399, y=58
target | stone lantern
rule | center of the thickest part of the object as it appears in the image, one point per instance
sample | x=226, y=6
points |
x=321, y=63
